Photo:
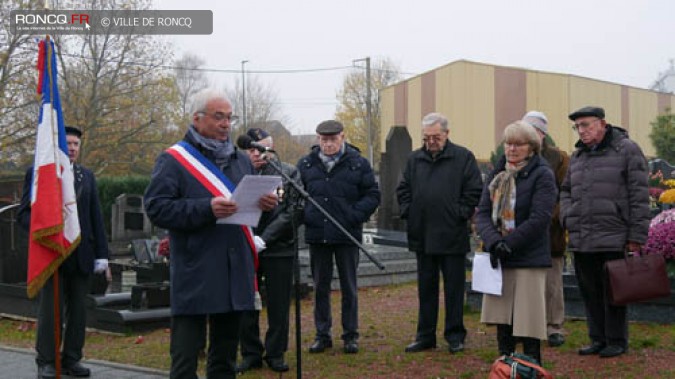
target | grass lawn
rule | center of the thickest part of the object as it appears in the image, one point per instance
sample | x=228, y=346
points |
x=387, y=318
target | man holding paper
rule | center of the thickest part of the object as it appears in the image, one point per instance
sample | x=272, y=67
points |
x=212, y=264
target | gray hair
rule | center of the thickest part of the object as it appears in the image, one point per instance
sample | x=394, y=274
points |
x=435, y=118
x=202, y=97
x=523, y=131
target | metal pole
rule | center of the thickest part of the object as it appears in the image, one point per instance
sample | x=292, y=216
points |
x=368, y=111
x=243, y=92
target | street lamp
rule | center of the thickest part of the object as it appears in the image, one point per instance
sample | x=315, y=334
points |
x=243, y=92
x=368, y=110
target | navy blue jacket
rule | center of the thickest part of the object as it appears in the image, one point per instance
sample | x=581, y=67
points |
x=93, y=241
x=536, y=195
x=211, y=264
x=348, y=192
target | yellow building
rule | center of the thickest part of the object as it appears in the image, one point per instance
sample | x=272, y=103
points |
x=480, y=100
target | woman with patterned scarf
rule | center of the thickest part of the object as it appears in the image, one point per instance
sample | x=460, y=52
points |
x=513, y=221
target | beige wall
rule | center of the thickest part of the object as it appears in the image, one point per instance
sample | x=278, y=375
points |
x=642, y=111
x=474, y=96
x=549, y=93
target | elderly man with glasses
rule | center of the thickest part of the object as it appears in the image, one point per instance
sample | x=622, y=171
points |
x=212, y=263
x=437, y=195
x=605, y=207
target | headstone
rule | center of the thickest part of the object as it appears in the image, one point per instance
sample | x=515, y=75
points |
x=398, y=147
x=13, y=247
x=662, y=165
x=128, y=218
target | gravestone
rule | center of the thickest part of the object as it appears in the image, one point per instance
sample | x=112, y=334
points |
x=662, y=165
x=13, y=247
x=129, y=222
x=392, y=164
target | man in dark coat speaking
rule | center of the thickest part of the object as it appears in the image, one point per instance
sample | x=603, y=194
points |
x=437, y=195
x=212, y=264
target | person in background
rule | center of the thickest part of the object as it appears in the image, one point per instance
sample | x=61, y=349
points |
x=555, y=302
x=75, y=273
x=276, y=240
x=513, y=220
x=437, y=196
x=342, y=181
x=604, y=202
x=212, y=264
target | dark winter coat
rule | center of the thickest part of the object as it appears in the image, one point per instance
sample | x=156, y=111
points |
x=437, y=197
x=536, y=194
x=348, y=192
x=559, y=161
x=93, y=240
x=604, y=198
x=211, y=264
x=276, y=226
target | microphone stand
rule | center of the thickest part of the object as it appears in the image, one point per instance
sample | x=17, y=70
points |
x=296, y=261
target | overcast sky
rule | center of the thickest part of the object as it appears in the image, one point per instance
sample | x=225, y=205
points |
x=622, y=41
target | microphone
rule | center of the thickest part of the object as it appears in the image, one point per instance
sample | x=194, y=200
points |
x=245, y=142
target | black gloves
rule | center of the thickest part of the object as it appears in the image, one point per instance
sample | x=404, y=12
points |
x=499, y=251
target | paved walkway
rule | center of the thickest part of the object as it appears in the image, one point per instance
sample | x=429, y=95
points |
x=20, y=364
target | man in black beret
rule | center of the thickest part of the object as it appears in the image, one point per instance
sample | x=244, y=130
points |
x=91, y=256
x=275, y=241
x=605, y=208
x=336, y=175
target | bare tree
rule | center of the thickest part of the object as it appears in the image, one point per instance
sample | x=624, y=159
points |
x=352, y=107
x=114, y=88
x=189, y=81
x=18, y=101
x=262, y=103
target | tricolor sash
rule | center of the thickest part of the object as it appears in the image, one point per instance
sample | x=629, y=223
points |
x=208, y=175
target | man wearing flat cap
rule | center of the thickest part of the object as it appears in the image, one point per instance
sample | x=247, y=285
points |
x=342, y=181
x=89, y=257
x=605, y=208
x=275, y=239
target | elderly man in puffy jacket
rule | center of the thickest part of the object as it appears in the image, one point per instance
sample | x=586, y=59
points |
x=339, y=178
x=605, y=208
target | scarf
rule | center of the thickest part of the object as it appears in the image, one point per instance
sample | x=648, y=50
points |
x=221, y=150
x=503, y=195
x=329, y=161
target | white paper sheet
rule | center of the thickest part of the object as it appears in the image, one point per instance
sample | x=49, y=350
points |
x=247, y=194
x=484, y=278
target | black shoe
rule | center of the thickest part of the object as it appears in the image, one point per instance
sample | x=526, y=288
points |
x=320, y=345
x=277, y=364
x=47, y=371
x=248, y=364
x=612, y=351
x=456, y=347
x=593, y=348
x=77, y=370
x=418, y=346
x=351, y=347
x=556, y=339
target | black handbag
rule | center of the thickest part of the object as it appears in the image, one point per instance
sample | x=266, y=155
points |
x=637, y=278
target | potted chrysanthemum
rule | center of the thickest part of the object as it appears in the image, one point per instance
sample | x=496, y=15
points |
x=661, y=239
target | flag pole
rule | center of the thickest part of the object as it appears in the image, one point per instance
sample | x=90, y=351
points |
x=55, y=277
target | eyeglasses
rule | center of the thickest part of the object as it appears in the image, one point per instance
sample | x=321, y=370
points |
x=433, y=138
x=583, y=125
x=508, y=145
x=220, y=116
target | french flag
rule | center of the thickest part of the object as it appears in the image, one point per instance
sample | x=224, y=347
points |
x=54, y=225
